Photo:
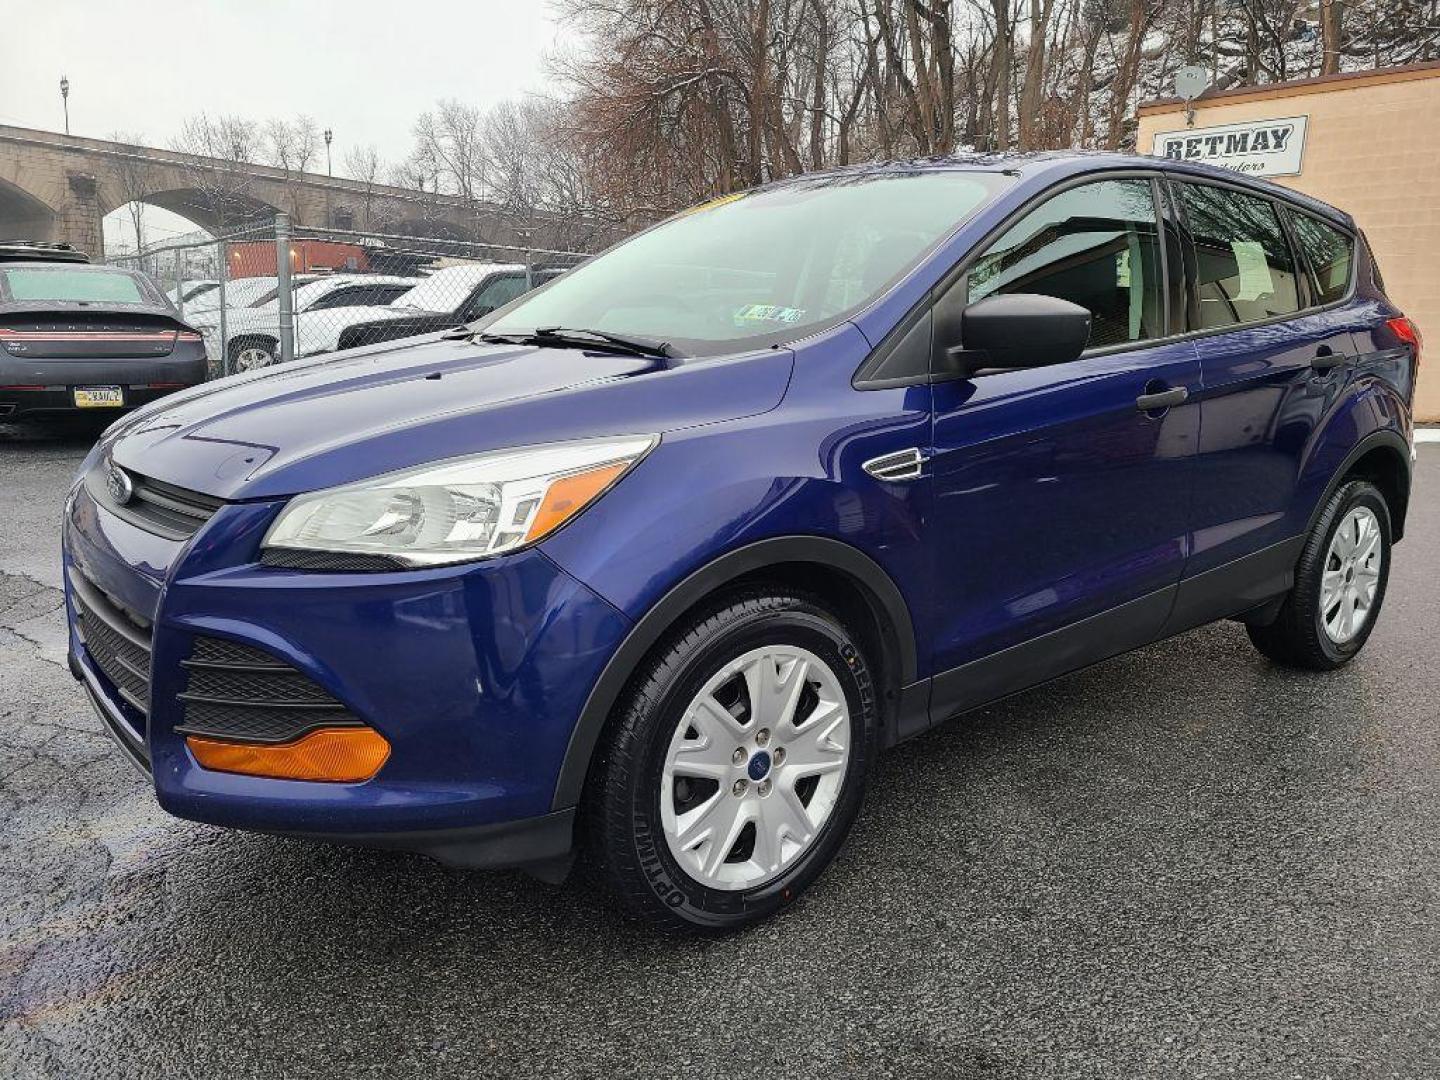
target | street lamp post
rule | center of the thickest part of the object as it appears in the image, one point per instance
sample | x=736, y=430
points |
x=65, y=100
x=328, y=136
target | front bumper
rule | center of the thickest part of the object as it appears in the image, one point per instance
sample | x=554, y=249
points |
x=475, y=675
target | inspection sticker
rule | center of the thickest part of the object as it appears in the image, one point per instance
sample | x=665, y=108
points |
x=769, y=313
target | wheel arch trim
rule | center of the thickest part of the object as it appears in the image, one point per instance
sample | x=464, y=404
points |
x=821, y=551
x=1381, y=439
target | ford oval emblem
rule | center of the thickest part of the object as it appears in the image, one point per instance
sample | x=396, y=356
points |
x=122, y=490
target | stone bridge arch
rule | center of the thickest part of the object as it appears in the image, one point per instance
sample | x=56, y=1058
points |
x=60, y=187
x=25, y=217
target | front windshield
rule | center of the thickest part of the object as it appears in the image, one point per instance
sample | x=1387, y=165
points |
x=762, y=267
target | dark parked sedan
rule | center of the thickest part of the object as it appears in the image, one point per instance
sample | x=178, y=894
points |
x=75, y=336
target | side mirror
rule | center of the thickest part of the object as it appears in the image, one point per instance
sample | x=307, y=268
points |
x=1019, y=330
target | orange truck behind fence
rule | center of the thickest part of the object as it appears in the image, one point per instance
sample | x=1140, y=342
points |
x=257, y=259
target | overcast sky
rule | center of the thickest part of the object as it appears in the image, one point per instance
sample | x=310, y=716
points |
x=363, y=68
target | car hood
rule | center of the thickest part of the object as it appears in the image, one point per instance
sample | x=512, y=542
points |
x=343, y=417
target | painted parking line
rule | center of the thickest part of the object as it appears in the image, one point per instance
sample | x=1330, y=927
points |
x=1427, y=434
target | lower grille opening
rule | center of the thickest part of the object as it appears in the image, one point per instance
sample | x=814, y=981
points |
x=243, y=693
x=117, y=642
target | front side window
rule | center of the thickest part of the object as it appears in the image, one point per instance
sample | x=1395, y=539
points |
x=87, y=286
x=1096, y=245
x=1245, y=269
x=1328, y=254
x=764, y=267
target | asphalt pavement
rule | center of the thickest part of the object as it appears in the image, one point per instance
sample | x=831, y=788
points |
x=1182, y=863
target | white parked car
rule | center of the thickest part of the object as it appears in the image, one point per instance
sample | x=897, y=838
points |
x=194, y=291
x=242, y=292
x=447, y=298
x=254, y=331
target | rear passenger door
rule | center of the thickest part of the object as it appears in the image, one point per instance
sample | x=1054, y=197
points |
x=1272, y=359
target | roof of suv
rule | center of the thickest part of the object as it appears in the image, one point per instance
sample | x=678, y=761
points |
x=1059, y=164
x=39, y=251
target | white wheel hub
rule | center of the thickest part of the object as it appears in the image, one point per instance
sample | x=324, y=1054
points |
x=1351, y=576
x=755, y=767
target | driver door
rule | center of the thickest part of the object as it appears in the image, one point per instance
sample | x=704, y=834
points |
x=1062, y=493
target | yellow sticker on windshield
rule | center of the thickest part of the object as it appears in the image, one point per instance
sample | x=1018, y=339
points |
x=713, y=203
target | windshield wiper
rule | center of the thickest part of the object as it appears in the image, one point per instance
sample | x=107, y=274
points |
x=565, y=338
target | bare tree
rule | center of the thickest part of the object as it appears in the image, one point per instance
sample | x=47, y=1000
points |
x=1332, y=32
x=450, y=141
x=363, y=163
x=291, y=146
x=133, y=177
x=220, y=180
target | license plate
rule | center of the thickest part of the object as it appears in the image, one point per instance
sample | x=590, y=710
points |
x=99, y=397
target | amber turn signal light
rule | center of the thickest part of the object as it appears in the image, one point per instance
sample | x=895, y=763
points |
x=568, y=496
x=345, y=755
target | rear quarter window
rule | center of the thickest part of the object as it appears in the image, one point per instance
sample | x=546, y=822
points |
x=1329, y=255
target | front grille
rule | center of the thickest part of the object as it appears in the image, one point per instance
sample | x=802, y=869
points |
x=243, y=693
x=175, y=513
x=117, y=642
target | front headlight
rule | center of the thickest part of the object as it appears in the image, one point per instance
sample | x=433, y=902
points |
x=462, y=509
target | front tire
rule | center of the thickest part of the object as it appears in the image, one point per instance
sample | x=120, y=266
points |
x=253, y=354
x=1339, y=587
x=736, y=765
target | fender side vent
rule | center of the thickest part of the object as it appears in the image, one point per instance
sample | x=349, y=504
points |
x=904, y=465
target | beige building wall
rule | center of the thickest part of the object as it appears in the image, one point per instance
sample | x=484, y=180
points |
x=1373, y=150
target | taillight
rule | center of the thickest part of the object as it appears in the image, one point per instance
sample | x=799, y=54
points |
x=1407, y=332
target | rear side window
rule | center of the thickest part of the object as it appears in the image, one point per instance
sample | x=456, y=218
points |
x=75, y=286
x=1245, y=270
x=1095, y=245
x=1328, y=255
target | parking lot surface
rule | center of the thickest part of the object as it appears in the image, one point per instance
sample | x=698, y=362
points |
x=1181, y=863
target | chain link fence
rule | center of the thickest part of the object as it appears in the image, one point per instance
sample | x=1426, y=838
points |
x=269, y=294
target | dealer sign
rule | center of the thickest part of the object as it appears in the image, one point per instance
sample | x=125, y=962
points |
x=1262, y=147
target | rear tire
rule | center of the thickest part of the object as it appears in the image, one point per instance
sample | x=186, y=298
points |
x=1339, y=588
x=705, y=820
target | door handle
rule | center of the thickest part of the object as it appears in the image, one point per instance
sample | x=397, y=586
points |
x=1327, y=359
x=1162, y=399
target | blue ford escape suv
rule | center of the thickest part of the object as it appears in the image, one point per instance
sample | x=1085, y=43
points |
x=649, y=563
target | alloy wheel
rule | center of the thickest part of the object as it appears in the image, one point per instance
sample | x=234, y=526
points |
x=1351, y=576
x=755, y=767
